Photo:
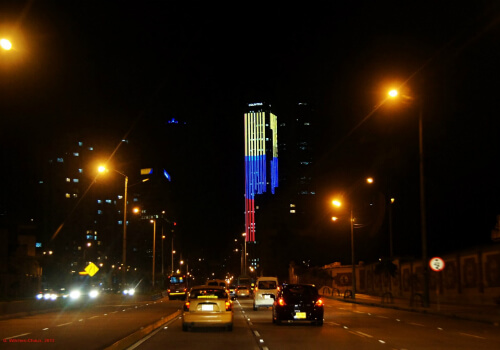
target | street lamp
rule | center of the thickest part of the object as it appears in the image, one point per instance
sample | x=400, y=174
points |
x=423, y=224
x=5, y=44
x=103, y=169
x=338, y=204
x=153, y=221
x=245, y=254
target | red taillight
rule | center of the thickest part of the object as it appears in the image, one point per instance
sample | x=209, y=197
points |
x=186, y=306
x=229, y=305
x=319, y=302
x=281, y=302
x=168, y=290
x=185, y=289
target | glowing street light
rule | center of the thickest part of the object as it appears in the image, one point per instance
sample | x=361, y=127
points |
x=5, y=44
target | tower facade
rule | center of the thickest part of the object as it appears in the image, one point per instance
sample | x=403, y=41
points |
x=261, y=159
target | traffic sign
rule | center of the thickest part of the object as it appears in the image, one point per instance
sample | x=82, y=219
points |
x=436, y=264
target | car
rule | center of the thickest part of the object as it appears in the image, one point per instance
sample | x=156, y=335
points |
x=266, y=289
x=207, y=306
x=232, y=291
x=242, y=291
x=298, y=302
x=217, y=282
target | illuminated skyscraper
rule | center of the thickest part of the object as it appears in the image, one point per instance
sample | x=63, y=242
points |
x=261, y=159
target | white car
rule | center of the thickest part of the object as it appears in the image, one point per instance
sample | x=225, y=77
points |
x=266, y=289
x=208, y=306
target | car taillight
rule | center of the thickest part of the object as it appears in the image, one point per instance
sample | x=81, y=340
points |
x=281, y=302
x=229, y=305
x=319, y=302
x=186, y=306
x=168, y=290
x=185, y=289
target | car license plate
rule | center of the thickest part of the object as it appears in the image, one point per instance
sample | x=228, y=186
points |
x=207, y=308
x=300, y=315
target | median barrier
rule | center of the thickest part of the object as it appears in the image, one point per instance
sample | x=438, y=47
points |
x=141, y=333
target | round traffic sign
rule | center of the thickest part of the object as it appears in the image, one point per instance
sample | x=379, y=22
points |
x=436, y=264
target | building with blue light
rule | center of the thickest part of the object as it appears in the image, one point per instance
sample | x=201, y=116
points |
x=261, y=159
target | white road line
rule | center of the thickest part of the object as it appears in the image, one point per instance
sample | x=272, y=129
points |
x=355, y=333
x=382, y=317
x=15, y=336
x=364, y=334
x=471, y=335
x=416, y=324
x=93, y=317
x=64, y=324
x=257, y=334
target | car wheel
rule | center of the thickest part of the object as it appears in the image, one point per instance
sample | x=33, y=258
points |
x=318, y=323
x=185, y=328
x=230, y=328
x=255, y=308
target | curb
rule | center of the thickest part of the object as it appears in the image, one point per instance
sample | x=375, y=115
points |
x=141, y=333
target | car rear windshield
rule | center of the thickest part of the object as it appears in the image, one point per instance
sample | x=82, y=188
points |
x=208, y=293
x=267, y=285
x=306, y=291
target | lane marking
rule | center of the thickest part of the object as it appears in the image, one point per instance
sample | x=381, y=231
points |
x=93, y=317
x=416, y=324
x=15, y=336
x=383, y=317
x=471, y=335
x=64, y=324
x=364, y=334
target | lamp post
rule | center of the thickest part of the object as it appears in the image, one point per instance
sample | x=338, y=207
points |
x=154, y=251
x=102, y=169
x=423, y=222
x=337, y=203
x=245, y=254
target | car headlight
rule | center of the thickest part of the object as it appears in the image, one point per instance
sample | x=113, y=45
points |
x=75, y=294
x=131, y=291
x=39, y=296
x=93, y=293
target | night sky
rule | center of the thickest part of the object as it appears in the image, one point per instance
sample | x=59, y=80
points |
x=116, y=67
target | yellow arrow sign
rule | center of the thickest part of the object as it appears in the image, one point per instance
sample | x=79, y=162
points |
x=91, y=269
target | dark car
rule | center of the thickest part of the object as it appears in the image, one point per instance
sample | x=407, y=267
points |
x=298, y=302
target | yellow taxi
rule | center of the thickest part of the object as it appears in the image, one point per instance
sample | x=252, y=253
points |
x=208, y=306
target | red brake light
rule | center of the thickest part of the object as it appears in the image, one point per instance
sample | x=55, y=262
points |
x=229, y=305
x=319, y=302
x=186, y=306
x=281, y=302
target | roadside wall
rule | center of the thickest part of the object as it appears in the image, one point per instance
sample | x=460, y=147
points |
x=469, y=277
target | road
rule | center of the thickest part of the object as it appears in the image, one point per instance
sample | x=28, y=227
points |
x=347, y=326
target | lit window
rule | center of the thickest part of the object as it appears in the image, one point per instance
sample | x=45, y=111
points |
x=108, y=201
x=76, y=180
x=91, y=148
x=292, y=205
x=76, y=154
x=307, y=124
x=99, y=201
x=292, y=211
x=68, y=195
x=60, y=160
x=120, y=222
x=80, y=171
x=120, y=196
x=99, y=212
x=75, y=195
x=68, y=179
x=80, y=143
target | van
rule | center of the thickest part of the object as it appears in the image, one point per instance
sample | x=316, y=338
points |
x=216, y=282
x=266, y=289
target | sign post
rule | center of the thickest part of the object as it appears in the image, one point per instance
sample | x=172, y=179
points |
x=437, y=264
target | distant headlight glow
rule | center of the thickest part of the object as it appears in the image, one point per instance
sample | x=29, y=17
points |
x=75, y=294
x=93, y=293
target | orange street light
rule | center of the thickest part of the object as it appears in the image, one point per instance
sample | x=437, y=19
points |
x=5, y=44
